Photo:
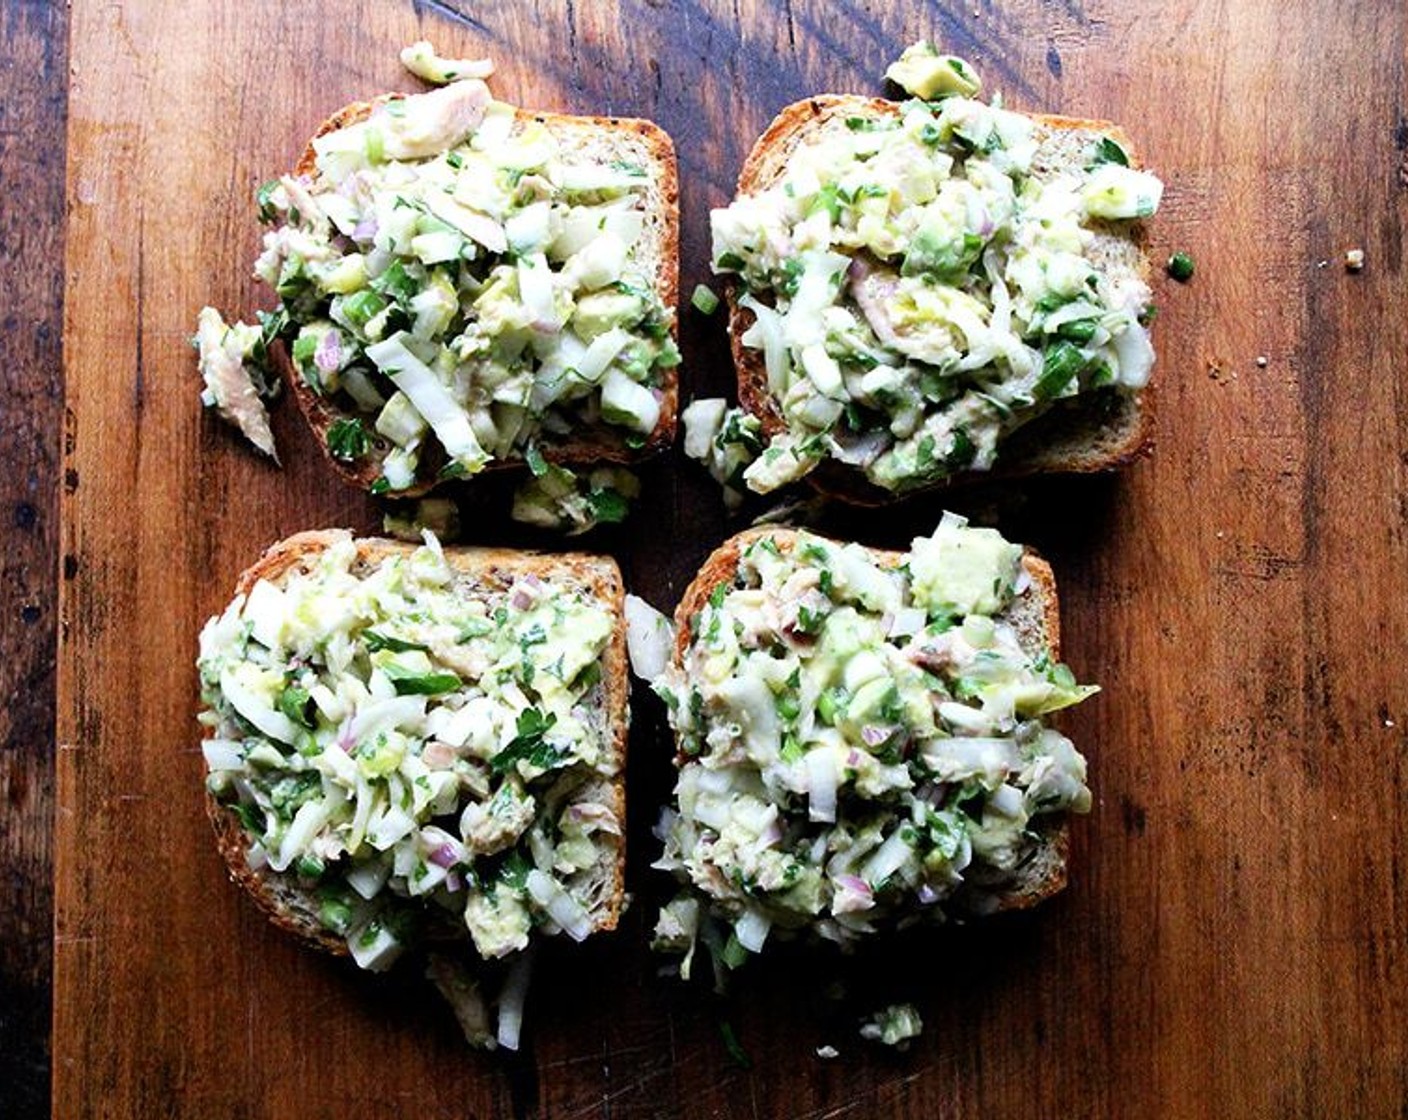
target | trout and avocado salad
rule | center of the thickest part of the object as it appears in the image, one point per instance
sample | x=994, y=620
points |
x=404, y=743
x=862, y=739
x=460, y=282
x=919, y=280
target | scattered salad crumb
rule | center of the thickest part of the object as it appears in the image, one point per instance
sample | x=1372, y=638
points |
x=826, y=1053
x=726, y=440
x=1354, y=260
x=1180, y=267
x=440, y=515
x=557, y=498
x=734, y=1047
x=1261, y=361
x=453, y=981
x=704, y=299
x=235, y=381
x=893, y=1026
x=422, y=61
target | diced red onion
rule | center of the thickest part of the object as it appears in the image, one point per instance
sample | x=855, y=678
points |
x=596, y=816
x=444, y=856
x=328, y=356
x=861, y=450
x=874, y=735
x=852, y=894
x=438, y=756
x=365, y=230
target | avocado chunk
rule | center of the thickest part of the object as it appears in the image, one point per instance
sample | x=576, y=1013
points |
x=923, y=72
x=963, y=571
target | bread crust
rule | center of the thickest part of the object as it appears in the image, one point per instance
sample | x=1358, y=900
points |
x=1026, y=451
x=277, y=894
x=592, y=448
x=1045, y=873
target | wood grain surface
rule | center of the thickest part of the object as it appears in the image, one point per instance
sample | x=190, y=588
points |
x=1234, y=942
x=33, y=80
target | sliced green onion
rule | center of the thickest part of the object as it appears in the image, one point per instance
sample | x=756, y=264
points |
x=1180, y=267
x=704, y=300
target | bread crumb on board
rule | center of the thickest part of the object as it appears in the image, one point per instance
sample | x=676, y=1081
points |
x=1354, y=260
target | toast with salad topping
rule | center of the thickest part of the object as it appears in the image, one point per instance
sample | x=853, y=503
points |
x=862, y=738
x=409, y=745
x=931, y=291
x=465, y=284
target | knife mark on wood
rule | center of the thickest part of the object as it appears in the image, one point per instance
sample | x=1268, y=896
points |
x=450, y=12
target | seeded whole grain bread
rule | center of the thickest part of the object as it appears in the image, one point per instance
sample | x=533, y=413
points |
x=1036, y=617
x=583, y=140
x=1085, y=434
x=293, y=908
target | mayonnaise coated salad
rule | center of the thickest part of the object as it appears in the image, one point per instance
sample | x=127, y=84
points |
x=925, y=278
x=406, y=743
x=859, y=738
x=464, y=285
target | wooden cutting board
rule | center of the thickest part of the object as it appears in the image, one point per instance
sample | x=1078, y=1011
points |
x=1233, y=942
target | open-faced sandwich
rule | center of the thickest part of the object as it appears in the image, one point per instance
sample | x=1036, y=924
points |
x=862, y=738
x=415, y=746
x=464, y=286
x=928, y=289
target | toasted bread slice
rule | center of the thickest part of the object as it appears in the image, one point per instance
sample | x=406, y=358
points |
x=1086, y=434
x=584, y=140
x=480, y=571
x=1035, y=616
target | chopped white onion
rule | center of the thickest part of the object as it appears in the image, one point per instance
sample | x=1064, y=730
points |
x=311, y=817
x=561, y=907
x=512, y=999
x=602, y=352
x=751, y=929
x=822, y=780
x=893, y=854
x=702, y=421
x=1136, y=356
x=907, y=622
x=222, y=754
x=252, y=707
x=536, y=290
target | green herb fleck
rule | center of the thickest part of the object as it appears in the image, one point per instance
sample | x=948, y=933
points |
x=409, y=683
x=1107, y=151
x=293, y=702
x=377, y=641
x=264, y=199
x=529, y=745
x=348, y=440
